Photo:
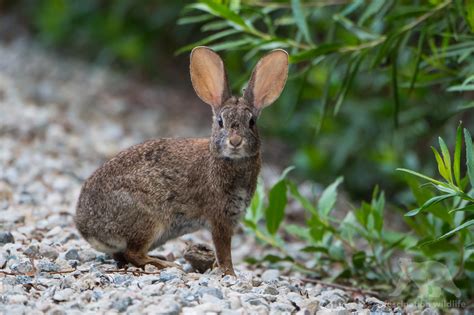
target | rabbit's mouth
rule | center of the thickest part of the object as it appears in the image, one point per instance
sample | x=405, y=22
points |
x=235, y=152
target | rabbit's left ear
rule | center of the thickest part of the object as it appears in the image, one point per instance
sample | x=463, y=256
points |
x=268, y=79
x=208, y=76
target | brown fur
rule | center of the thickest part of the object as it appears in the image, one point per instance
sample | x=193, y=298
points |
x=164, y=188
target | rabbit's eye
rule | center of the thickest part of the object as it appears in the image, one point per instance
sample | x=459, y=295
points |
x=252, y=122
x=220, y=122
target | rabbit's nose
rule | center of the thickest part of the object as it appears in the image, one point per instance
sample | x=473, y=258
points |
x=235, y=140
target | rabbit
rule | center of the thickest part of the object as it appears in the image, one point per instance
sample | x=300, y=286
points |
x=164, y=188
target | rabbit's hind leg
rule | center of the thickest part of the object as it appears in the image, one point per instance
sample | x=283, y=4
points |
x=141, y=259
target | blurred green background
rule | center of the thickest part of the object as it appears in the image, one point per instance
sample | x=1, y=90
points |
x=372, y=84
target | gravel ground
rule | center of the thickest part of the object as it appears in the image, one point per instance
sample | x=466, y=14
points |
x=59, y=120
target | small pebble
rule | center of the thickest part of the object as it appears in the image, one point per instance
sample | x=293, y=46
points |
x=72, y=254
x=6, y=237
x=271, y=275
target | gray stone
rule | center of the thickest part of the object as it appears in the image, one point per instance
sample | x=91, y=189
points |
x=256, y=282
x=17, y=299
x=204, y=281
x=211, y=291
x=373, y=300
x=63, y=295
x=47, y=266
x=333, y=311
x=121, y=305
x=271, y=275
x=166, y=276
x=271, y=290
x=279, y=308
x=32, y=251
x=332, y=298
x=87, y=255
x=165, y=307
x=22, y=267
x=23, y=279
x=253, y=299
x=3, y=261
x=72, y=254
x=123, y=280
x=228, y=280
x=48, y=252
x=11, y=217
x=6, y=237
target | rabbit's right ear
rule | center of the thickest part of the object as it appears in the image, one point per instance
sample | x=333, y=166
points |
x=208, y=76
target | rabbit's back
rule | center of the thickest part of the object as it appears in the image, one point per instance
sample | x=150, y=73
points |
x=148, y=193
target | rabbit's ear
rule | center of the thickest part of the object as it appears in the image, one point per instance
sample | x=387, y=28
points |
x=208, y=76
x=268, y=79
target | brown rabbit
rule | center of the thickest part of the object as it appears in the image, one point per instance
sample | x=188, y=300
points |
x=164, y=188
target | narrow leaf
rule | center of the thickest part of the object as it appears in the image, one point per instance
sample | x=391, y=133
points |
x=418, y=61
x=463, y=226
x=469, y=156
x=352, y=69
x=421, y=176
x=428, y=204
x=300, y=19
x=275, y=211
x=396, y=95
x=466, y=208
x=207, y=40
x=446, y=158
x=328, y=198
x=457, y=156
x=441, y=167
x=311, y=54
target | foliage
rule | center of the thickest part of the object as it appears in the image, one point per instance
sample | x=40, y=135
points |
x=368, y=84
x=127, y=32
x=361, y=243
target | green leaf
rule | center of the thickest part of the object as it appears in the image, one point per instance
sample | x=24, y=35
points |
x=446, y=158
x=469, y=5
x=305, y=203
x=358, y=31
x=298, y=231
x=421, y=176
x=373, y=8
x=300, y=19
x=429, y=203
x=311, y=54
x=232, y=44
x=315, y=249
x=418, y=60
x=225, y=13
x=328, y=198
x=194, y=19
x=358, y=259
x=461, y=227
x=469, y=156
x=274, y=258
x=465, y=208
x=441, y=167
x=457, y=156
x=317, y=232
x=352, y=70
x=286, y=171
x=395, y=90
x=207, y=40
x=275, y=211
